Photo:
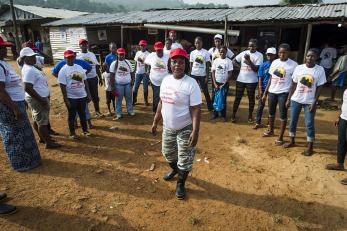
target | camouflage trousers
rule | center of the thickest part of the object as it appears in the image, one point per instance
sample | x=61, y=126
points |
x=175, y=147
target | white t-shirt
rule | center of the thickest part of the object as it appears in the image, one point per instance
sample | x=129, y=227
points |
x=166, y=51
x=106, y=77
x=176, y=45
x=177, y=95
x=140, y=61
x=281, y=75
x=158, y=67
x=39, y=61
x=344, y=106
x=222, y=68
x=123, y=73
x=91, y=59
x=327, y=55
x=214, y=53
x=307, y=79
x=13, y=82
x=247, y=75
x=73, y=77
x=36, y=77
x=199, y=58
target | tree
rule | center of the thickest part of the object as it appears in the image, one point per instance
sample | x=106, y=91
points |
x=293, y=2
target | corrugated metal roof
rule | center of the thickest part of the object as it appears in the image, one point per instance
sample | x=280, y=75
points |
x=236, y=15
x=50, y=12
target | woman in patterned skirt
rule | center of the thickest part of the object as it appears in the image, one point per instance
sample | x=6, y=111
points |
x=15, y=129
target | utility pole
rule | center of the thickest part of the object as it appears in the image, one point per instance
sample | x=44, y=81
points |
x=14, y=21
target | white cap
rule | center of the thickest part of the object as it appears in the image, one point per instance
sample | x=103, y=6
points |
x=26, y=51
x=218, y=36
x=71, y=49
x=271, y=50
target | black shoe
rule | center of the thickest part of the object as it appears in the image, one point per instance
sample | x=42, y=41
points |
x=7, y=209
x=168, y=176
x=3, y=196
x=180, y=187
x=52, y=145
x=53, y=133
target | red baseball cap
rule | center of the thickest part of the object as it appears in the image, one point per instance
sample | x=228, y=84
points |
x=143, y=43
x=172, y=31
x=5, y=44
x=158, y=46
x=81, y=41
x=121, y=51
x=69, y=53
x=178, y=52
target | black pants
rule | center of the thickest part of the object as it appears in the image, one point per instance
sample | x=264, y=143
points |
x=93, y=89
x=342, y=141
x=77, y=106
x=240, y=88
x=111, y=99
x=204, y=87
x=224, y=111
x=156, y=97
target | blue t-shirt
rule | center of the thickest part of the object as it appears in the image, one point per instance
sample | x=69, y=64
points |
x=110, y=58
x=85, y=65
x=263, y=73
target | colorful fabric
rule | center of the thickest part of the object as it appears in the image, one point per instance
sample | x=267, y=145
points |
x=18, y=139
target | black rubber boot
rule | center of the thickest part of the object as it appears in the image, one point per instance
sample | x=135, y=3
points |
x=134, y=98
x=7, y=209
x=180, y=188
x=168, y=176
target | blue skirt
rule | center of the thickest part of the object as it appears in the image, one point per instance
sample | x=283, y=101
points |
x=18, y=138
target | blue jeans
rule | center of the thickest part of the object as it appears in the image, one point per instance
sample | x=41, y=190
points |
x=124, y=90
x=138, y=78
x=309, y=120
x=281, y=100
x=260, y=110
x=88, y=115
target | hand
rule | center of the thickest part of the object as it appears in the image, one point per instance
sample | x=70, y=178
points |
x=312, y=107
x=100, y=83
x=44, y=102
x=154, y=129
x=247, y=57
x=337, y=121
x=258, y=97
x=206, y=79
x=89, y=99
x=221, y=86
x=17, y=114
x=263, y=99
x=288, y=104
x=215, y=86
x=193, y=139
x=67, y=104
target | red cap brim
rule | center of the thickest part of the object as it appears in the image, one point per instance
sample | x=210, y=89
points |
x=6, y=44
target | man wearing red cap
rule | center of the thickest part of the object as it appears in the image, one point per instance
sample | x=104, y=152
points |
x=175, y=42
x=93, y=75
x=140, y=73
x=156, y=68
x=121, y=76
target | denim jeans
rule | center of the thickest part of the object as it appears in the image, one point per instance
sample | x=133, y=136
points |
x=156, y=97
x=138, y=79
x=124, y=90
x=77, y=106
x=93, y=89
x=342, y=141
x=260, y=110
x=281, y=100
x=309, y=120
x=204, y=87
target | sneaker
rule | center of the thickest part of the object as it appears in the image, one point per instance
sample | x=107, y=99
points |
x=131, y=113
x=52, y=145
x=87, y=134
x=73, y=137
x=117, y=117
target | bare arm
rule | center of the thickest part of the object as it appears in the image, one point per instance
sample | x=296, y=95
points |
x=236, y=64
x=214, y=79
x=195, y=112
x=64, y=93
x=316, y=97
x=191, y=66
x=6, y=99
x=291, y=92
x=86, y=86
x=98, y=72
x=157, y=118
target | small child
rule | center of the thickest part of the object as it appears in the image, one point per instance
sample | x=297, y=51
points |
x=109, y=96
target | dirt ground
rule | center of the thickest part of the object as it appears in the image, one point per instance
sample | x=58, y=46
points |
x=240, y=180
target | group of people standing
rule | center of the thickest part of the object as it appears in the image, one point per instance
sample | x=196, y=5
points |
x=177, y=79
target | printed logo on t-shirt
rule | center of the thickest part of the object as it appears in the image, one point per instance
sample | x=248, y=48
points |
x=216, y=56
x=141, y=58
x=159, y=64
x=76, y=76
x=122, y=70
x=279, y=72
x=307, y=80
x=88, y=60
x=200, y=59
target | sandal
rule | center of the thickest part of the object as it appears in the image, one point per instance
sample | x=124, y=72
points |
x=335, y=167
x=268, y=134
x=279, y=142
x=307, y=153
x=250, y=121
x=289, y=145
x=256, y=126
x=233, y=120
x=344, y=181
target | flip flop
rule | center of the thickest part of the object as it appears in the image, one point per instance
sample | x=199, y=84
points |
x=268, y=134
x=335, y=167
x=344, y=181
x=279, y=142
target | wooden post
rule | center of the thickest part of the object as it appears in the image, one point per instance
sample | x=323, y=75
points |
x=226, y=40
x=308, y=39
x=14, y=21
x=121, y=36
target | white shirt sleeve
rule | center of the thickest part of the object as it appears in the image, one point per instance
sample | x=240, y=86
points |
x=148, y=59
x=238, y=58
x=112, y=67
x=230, y=65
x=259, y=59
x=207, y=57
x=195, y=95
x=2, y=75
x=136, y=56
x=84, y=76
x=62, y=77
x=213, y=68
x=230, y=54
x=29, y=76
x=191, y=59
x=321, y=78
x=295, y=75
